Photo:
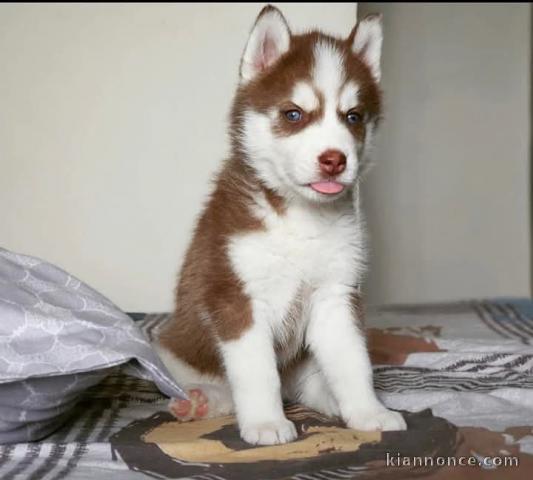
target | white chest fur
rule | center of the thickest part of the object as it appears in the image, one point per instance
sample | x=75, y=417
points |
x=298, y=251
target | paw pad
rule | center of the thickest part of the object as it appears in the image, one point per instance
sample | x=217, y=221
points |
x=194, y=408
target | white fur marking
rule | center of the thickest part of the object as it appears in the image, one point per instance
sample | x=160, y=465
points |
x=252, y=373
x=304, y=96
x=329, y=72
x=307, y=384
x=349, y=96
x=341, y=353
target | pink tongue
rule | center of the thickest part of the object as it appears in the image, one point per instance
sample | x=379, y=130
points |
x=328, y=187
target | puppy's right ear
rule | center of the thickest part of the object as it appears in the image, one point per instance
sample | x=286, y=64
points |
x=269, y=40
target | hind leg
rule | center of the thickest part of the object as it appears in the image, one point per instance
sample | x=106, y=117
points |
x=205, y=401
x=306, y=384
x=209, y=396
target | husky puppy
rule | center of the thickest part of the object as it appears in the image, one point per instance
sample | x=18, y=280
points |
x=268, y=304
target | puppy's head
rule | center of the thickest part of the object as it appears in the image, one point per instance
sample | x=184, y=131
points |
x=307, y=105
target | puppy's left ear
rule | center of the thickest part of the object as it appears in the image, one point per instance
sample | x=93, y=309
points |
x=269, y=39
x=366, y=39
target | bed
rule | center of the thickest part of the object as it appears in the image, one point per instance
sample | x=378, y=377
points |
x=461, y=373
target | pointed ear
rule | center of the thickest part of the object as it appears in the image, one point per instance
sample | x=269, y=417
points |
x=366, y=39
x=270, y=39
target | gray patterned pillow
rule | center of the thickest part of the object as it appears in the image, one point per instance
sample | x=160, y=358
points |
x=58, y=337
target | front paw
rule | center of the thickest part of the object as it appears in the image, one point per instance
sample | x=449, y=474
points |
x=268, y=433
x=377, y=418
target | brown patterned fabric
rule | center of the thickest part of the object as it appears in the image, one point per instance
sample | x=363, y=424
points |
x=460, y=373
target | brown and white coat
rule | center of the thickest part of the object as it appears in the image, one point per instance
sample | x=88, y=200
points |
x=268, y=303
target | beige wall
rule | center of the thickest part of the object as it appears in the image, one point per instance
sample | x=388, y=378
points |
x=112, y=118
x=448, y=200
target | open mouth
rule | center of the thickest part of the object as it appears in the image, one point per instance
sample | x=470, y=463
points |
x=327, y=187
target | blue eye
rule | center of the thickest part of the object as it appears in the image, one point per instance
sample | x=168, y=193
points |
x=293, y=115
x=354, y=117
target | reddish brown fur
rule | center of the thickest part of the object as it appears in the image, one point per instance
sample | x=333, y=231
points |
x=273, y=88
x=207, y=283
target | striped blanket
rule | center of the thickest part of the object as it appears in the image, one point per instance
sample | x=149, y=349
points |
x=461, y=373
